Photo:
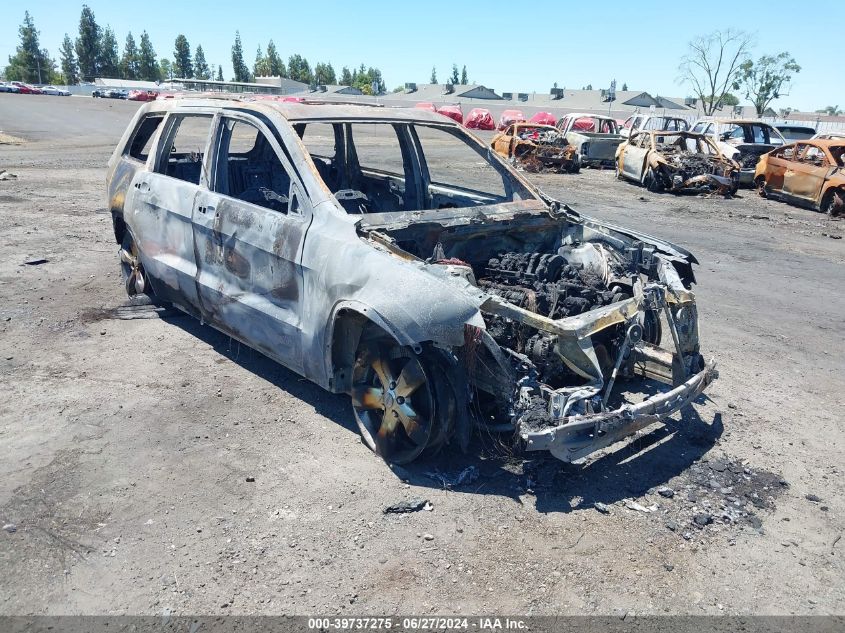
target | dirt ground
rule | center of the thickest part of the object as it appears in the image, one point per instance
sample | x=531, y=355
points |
x=152, y=465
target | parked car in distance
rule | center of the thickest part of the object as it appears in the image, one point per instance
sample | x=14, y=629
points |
x=57, y=92
x=536, y=147
x=8, y=87
x=795, y=132
x=743, y=140
x=26, y=89
x=454, y=112
x=142, y=95
x=479, y=119
x=680, y=162
x=110, y=93
x=807, y=173
x=508, y=117
x=594, y=136
x=637, y=122
x=374, y=250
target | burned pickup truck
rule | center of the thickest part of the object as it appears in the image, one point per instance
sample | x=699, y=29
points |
x=680, y=162
x=392, y=256
x=536, y=147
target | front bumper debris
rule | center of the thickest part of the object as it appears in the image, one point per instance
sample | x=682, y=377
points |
x=580, y=435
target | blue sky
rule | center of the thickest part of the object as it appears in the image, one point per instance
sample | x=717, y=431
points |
x=503, y=45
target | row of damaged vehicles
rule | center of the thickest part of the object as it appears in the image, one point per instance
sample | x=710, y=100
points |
x=662, y=154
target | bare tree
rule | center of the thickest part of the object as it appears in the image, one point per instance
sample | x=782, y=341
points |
x=712, y=65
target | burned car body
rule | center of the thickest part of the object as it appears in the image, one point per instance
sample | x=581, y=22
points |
x=680, y=162
x=808, y=173
x=392, y=256
x=536, y=147
x=594, y=135
x=741, y=140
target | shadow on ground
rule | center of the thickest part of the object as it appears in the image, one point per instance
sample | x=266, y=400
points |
x=502, y=468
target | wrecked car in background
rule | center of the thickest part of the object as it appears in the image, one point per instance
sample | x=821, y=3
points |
x=680, y=162
x=543, y=118
x=536, y=147
x=742, y=140
x=479, y=119
x=454, y=112
x=391, y=256
x=807, y=173
x=508, y=117
x=595, y=136
x=637, y=122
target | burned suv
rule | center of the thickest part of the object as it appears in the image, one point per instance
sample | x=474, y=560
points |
x=392, y=256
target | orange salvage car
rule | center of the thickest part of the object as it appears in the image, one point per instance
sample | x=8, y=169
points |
x=808, y=173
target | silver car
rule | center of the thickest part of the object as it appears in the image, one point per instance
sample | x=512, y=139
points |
x=392, y=256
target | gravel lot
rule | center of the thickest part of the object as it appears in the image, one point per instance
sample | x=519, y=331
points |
x=153, y=464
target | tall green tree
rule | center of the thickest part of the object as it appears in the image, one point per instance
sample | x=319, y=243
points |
x=30, y=63
x=148, y=68
x=240, y=68
x=201, y=69
x=345, y=77
x=464, y=75
x=70, y=71
x=274, y=60
x=454, y=78
x=88, y=45
x=261, y=67
x=219, y=76
x=766, y=79
x=182, y=65
x=130, y=62
x=299, y=69
x=324, y=74
x=166, y=71
x=109, y=60
x=433, y=75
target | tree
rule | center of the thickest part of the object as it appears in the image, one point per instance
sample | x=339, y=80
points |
x=183, y=67
x=261, y=67
x=767, y=79
x=274, y=61
x=712, y=65
x=219, y=73
x=624, y=87
x=454, y=78
x=148, y=68
x=464, y=75
x=299, y=69
x=130, y=62
x=108, y=64
x=201, y=70
x=238, y=66
x=324, y=74
x=433, y=75
x=830, y=110
x=165, y=69
x=589, y=87
x=30, y=63
x=345, y=77
x=88, y=45
x=70, y=71
x=729, y=99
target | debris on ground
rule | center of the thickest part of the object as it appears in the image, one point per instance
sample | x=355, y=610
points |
x=7, y=175
x=633, y=505
x=602, y=507
x=11, y=528
x=404, y=507
x=36, y=262
x=466, y=476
